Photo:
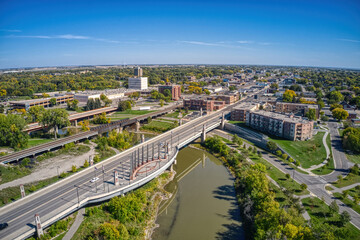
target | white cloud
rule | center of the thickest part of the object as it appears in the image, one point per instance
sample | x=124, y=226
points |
x=201, y=43
x=65, y=36
x=348, y=40
x=245, y=42
x=10, y=30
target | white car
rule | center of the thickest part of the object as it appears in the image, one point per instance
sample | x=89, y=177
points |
x=94, y=179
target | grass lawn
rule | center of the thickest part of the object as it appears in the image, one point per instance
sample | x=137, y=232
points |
x=326, y=169
x=157, y=126
x=355, y=158
x=354, y=192
x=36, y=141
x=319, y=211
x=308, y=153
x=348, y=180
x=279, y=176
x=134, y=112
x=348, y=202
x=280, y=197
x=173, y=115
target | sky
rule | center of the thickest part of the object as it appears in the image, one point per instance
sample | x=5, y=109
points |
x=321, y=33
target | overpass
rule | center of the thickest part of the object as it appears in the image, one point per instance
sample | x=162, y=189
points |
x=73, y=117
x=31, y=152
x=118, y=175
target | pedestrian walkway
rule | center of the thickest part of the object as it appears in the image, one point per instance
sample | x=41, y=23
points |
x=78, y=220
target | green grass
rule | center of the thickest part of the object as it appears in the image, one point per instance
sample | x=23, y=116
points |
x=329, y=188
x=11, y=173
x=354, y=192
x=72, y=149
x=134, y=112
x=279, y=176
x=37, y=141
x=172, y=115
x=156, y=126
x=308, y=153
x=348, y=180
x=326, y=169
x=348, y=202
x=280, y=197
x=319, y=211
x=355, y=158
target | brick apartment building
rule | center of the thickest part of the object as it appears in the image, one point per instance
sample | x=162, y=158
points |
x=204, y=104
x=288, y=127
x=239, y=112
x=296, y=108
x=228, y=99
x=174, y=89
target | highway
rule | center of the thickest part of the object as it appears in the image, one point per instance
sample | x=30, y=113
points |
x=62, y=195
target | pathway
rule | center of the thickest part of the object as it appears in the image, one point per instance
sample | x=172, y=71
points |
x=74, y=227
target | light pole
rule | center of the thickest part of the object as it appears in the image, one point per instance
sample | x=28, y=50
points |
x=58, y=171
x=77, y=191
x=103, y=176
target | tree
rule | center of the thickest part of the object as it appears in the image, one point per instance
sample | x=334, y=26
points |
x=105, y=99
x=167, y=93
x=333, y=207
x=284, y=156
x=124, y=105
x=296, y=88
x=90, y=105
x=289, y=95
x=345, y=193
x=161, y=102
x=55, y=118
x=11, y=131
x=52, y=101
x=321, y=104
x=109, y=232
x=73, y=168
x=86, y=164
x=287, y=176
x=335, y=105
x=345, y=218
x=149, y=119
x=207, y=92
x=278, y=153
x=36, y=113
x=271, y=146
x=311, y=114
x=274, y=85
x=336, y=96
x=303, y=186
x=340, y=114
x=340, y=178
x=74, y=104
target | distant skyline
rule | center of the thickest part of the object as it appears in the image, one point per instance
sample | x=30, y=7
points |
x=292, y=33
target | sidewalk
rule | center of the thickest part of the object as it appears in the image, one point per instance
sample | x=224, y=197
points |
x=78, y=220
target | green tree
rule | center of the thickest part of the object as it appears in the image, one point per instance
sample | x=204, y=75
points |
x=161, y=102
x=11, y=131
x=303, y=186
x=109, y=232
x=289, y=95
x=86, y=164
x=271, y=146
x=73, y=168
x=52, y=101
x=340, y=114
x=167, y=93
x=336, y=96
x=311, y=114
x=55, y=118
x=36, y=113
x=335, y=105
x=333, y=207
x=274, y=85
x=124, y=105
x=345, y=218
x=278, y=153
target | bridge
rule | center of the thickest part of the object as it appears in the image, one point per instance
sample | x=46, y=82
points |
x=120, y=124
x=119, y=174
x=73, y=117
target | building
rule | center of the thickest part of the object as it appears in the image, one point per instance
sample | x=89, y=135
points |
x=228, y=99
x=138, y=72
x=27, y=104
x=174, y=89
x=296, y=108
x=239, y=112
x=138, y=81
x=285, y=126
x=204, y=104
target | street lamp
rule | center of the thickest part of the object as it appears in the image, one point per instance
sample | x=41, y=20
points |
x=58, y=171
x=77, y=191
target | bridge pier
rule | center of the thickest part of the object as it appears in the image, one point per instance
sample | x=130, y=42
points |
x=222, y=121
x=180, y=122
x=39, y=229
x=201, y=112
x=116, y=178
x=137, y=126
x=203, y=134
x=75, y=123
x=142, y=138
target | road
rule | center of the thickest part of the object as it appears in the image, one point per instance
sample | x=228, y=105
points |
x=58, y=197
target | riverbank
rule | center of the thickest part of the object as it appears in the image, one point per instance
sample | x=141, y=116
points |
x=131, y=216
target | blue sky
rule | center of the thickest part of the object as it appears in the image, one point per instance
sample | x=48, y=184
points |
x=297, y=32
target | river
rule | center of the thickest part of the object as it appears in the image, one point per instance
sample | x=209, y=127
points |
x=203, y=205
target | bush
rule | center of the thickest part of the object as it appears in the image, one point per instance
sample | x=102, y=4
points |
x=278, y=153
x=73, y=168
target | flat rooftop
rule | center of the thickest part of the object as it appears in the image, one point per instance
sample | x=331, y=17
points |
x=286, y=118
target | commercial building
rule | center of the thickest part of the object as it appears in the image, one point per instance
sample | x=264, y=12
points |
x=27, y=104
x=138, y=82
x=204, y=104
x=285, y=126
x=174, y=89
x=296, y=108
